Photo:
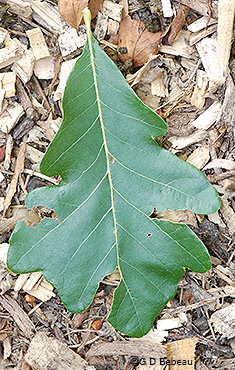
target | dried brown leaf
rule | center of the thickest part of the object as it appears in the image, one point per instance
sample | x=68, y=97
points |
x=125, y=11
x=176, y=25
x=136, y=42
x=19, y=214
x=71, y=10
x=95, y=6
x=19, y=168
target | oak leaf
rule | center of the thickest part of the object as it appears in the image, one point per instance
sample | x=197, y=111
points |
x=71, y=10
x=136, y=42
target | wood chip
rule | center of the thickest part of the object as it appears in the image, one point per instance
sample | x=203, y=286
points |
x=134, y=79
x=198, y=36
x=216, y=219
x=44, y=66
x=220, y=163
x=223, y=321
x=3, y=34
x=49, y=353
x=112, y=10
x=153, y=336
x=37, y=43
x=9, y=147
x=21, y=280
x=180, y=46
x=8, y=80
x=169, y=324
x=33, y=154
x=6, y=348
x=182, y=142
x=35, y=285
x=113, y=27
x=227, y=112
x=12, y=52
x=71, y=40
x=3, y=252
x=24, y=66
x=21, y=8
x=131, y=348
x=199, y=157
x=159, y=85
x=198, y=98
x=44, y=291
x=65, y=69
x=19, y=168
x=228, y=215
x=10, y=117
x=201, y=23
x=1, y=177
x=2, y=96
x=101, y=26
x=181, y=353
x=166, y=8
x=201, y=6
x=47, y=15
x=207, y=51
x=226, y=11
x=18, y=314
x=50, y=127
x=209, y=117
x=226, y=274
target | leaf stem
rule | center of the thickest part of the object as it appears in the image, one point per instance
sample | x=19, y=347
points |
x=87, y=18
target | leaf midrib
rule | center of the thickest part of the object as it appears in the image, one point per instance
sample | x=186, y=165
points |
x=92, y=59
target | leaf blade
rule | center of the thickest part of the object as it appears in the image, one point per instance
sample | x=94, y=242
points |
x=113, y=173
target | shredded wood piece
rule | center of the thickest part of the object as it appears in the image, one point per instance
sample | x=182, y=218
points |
x=10, y=116
x=36, y=285
x=8, y=80
x=226, y=11
x=223, y=321
x=9, y=146
x=19, y=168
x=179, y=351
x=45, y=352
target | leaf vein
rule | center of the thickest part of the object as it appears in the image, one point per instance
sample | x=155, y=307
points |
x=88, y=236
x=150, y=281
x=63, y=221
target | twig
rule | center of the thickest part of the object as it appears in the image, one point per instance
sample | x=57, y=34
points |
x=40, y=90
x=18, y=314
x=195, y=305
x=221, y=176
x=44, y=177
x=202, y=7
x=89, y=342
x=19, y=168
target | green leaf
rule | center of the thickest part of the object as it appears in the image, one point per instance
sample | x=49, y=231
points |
x=113, y=173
